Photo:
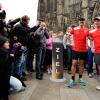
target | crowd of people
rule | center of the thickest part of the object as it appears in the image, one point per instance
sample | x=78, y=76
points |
x=82, y=50
x=20, y=43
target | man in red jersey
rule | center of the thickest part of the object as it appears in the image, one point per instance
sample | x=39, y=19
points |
x=79, y=52
x=95, y=35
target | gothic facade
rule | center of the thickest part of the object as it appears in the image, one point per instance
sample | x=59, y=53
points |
x=60, y=13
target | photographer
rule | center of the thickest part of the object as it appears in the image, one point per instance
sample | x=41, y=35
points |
x=21, y=31
x=11, y=23
x=2, y=13
x=3, y=29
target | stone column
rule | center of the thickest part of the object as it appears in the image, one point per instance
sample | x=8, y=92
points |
x=60, y=14
x=85, y=9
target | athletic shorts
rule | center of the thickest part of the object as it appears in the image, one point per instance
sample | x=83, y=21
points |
x=97, y=58
x=79, y=55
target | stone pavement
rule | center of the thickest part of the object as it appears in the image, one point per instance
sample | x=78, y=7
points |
x=48, y=90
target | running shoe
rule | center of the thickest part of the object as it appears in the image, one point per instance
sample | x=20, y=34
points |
x=98, y=88
x=82, y=82
x=71, y=83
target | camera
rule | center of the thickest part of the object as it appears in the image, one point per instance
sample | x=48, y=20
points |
x=2, y=14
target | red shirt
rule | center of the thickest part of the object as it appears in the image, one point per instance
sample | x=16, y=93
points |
x=95, y=34
x=79, y=39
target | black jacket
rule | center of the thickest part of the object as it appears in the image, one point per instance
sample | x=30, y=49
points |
x=22, y=32
x=4, y=72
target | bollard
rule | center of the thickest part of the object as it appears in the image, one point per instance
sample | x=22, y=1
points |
x=57, y=59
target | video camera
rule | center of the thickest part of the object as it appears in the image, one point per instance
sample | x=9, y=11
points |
x=11, y=23
x=2, y=14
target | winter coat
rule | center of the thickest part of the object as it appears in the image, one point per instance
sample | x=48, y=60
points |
x=22, y=32
x=16, y=50
x=49, y=43
x=4, y=71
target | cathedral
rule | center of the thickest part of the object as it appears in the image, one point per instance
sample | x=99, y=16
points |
x=59, y=14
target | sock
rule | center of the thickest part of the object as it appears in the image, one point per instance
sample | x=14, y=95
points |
x=80, y=76
x=73, y=78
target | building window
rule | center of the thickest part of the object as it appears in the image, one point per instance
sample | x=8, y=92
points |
x=41, y=1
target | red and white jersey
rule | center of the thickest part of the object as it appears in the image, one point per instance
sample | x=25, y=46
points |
x=80, y=39
x=95, y=35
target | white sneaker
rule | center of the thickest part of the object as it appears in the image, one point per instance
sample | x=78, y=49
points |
x=90, y=75
x=98, y=88
x=49, y=72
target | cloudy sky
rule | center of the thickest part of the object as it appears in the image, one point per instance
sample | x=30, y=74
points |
x=18, y=8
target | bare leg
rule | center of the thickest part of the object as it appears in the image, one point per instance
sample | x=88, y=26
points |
x=73, y=69
x=81, y=68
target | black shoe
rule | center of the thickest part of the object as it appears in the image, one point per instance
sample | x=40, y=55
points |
x=39, y=77
x=23, y=78
x=32, y=70
x=24, y=84
x=23, y=73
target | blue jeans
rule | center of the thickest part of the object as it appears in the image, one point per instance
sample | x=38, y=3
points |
x=69, y=58
x=40, y=55
x=90, y=61
x=20, y=63
x=30, y=58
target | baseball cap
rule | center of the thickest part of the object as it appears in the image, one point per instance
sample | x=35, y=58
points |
x=97, y=18
x=81, y=19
